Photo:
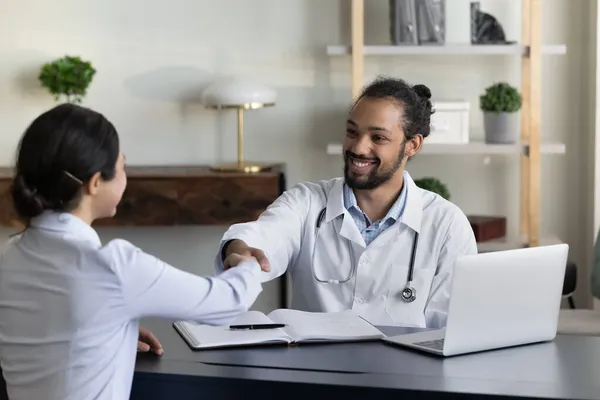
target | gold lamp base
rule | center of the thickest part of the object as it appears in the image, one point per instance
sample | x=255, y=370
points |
x=241, y=167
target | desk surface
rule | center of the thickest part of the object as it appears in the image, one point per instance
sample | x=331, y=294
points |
x=568, y=368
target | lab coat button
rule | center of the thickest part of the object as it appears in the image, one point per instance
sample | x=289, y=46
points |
x=358, y=300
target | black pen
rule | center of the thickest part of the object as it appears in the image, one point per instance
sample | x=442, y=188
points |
x=255, y=326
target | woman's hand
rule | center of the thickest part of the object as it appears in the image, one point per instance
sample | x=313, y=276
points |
x=148, y=342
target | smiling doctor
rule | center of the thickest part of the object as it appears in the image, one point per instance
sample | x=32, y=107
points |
x=372, y=241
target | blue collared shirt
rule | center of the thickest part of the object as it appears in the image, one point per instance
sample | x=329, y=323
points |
x=368, y=229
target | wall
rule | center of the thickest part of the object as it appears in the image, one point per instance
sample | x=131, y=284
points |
x=154, y=58
x=594, y=139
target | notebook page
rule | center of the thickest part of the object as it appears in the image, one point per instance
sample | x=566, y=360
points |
x=344, y=325
x=221, y=336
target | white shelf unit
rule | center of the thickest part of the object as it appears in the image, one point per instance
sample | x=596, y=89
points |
x=447, y=49
x=530, y=49
x=473, y=148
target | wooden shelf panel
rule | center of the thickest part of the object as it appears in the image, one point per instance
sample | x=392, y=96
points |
x=447, y=49
x=474, y=148
x=163, y=196
x=168, y=171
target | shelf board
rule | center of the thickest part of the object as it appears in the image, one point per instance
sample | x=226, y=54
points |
x=473, y=148
x=446, y=49
x=513, y=243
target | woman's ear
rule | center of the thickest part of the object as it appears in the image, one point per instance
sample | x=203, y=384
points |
x=93, y=184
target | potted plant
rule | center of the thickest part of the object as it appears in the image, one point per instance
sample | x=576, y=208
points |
x=67, y=76
x=433, y=185
x=500, y=105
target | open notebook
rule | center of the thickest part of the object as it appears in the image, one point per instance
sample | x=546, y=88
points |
x=301, y=326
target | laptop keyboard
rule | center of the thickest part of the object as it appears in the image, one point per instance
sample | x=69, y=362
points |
x=437, y=344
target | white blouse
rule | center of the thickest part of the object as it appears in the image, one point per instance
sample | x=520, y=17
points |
x=70, y=306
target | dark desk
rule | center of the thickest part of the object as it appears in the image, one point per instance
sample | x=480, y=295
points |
x=568, y=368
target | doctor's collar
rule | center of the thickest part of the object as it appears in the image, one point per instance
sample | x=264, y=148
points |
x=413, y=209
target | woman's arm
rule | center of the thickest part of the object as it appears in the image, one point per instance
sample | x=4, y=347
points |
x=152, y=287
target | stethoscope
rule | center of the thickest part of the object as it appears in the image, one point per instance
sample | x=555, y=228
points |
x=409, y=293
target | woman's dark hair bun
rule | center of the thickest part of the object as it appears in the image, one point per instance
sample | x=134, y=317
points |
x=423, y=91
x=28, y=203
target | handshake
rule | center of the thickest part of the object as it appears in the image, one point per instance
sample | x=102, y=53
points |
x=236, y=251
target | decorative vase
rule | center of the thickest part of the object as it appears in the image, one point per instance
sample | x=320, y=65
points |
x=501, y=128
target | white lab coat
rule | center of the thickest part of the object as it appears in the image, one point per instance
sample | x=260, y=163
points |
x=286, y=233
x=69, y=308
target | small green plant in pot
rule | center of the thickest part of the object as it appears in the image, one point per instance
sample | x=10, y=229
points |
x=68, y=76
x=433, y=185
x=501, y=118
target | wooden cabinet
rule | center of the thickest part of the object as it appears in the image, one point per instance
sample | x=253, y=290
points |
x=180, y=195
x=7, y=215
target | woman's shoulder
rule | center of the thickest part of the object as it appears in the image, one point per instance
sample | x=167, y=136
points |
x=122, y=254
x=121, y=258
x=120, y=251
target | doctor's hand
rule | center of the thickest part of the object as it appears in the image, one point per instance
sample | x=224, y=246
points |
x=148, y=342
x=238, y=251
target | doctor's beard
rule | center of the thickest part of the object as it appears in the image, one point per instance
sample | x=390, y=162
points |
x=378, y=176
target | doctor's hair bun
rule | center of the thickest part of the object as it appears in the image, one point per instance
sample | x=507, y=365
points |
x=427, y=110
x=423, y=91
x=414, y=100
x=59, y=152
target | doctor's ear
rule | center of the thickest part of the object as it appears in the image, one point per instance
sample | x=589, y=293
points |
x=413, y=145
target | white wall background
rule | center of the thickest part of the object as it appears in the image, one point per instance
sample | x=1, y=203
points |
x=594, y=139
x=153, y=59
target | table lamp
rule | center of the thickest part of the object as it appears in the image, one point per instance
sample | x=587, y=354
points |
x=240, y=94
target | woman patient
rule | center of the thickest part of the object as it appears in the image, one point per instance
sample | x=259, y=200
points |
x=69, y=304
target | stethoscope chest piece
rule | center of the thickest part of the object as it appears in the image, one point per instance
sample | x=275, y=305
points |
x=409, y=294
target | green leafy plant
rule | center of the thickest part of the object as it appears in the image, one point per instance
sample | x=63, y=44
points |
x=500, y=97
x=67, y=76
x=433, y=185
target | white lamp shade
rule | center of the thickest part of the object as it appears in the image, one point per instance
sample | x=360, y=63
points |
x=238, y=92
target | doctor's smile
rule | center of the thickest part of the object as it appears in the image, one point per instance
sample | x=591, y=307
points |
x=361, y=165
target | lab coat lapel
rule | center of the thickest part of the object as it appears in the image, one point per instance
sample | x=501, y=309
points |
x=350, y=231
x=413, y=211
x=335, y=208
x=411, y=217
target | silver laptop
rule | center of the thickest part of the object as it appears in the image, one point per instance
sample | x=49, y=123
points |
x=499, y=299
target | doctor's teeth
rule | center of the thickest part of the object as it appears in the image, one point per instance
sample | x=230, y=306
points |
x=360, y=164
